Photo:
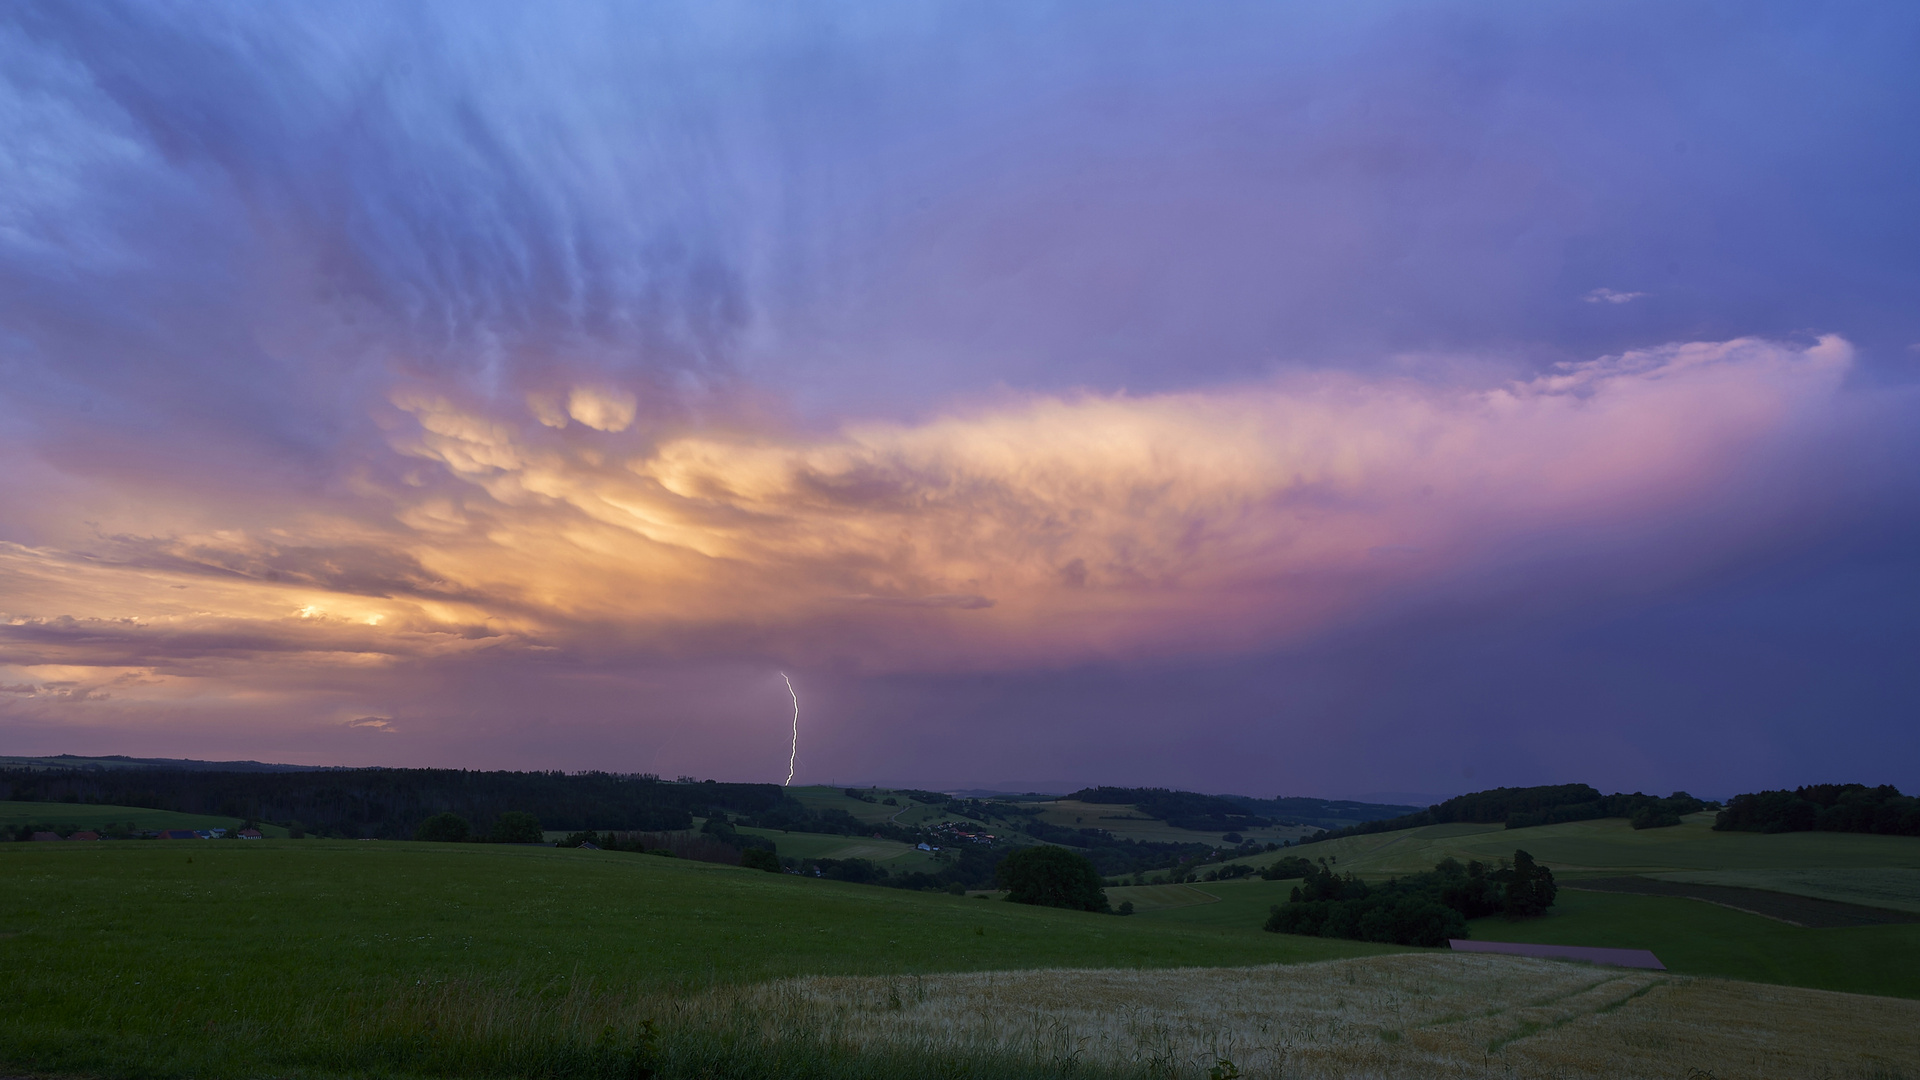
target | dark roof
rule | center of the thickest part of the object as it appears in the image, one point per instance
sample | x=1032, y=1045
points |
x=179, y=834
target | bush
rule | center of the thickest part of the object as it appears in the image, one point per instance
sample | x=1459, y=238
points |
x=446, y=828
x=756, y=858
x=1292, y=866
x=1425, y=909
x=515, y=827
x=1051, y=877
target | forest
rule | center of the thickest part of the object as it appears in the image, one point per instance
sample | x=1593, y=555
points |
x=1854, y=808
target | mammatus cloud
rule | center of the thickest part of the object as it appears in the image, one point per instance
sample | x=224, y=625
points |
x=1044, y=530
x=1608, y=296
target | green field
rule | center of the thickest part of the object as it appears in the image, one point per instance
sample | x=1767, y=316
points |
x=284, y=957
x=894, y=855
x=1609, y=846
x=1146, y=898
x=70, y=817
x=1894, y=888
x=1695, y=938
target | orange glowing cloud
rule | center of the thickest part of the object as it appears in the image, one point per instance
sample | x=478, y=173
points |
x=1049, y=529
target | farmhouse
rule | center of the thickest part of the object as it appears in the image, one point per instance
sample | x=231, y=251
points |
x=180, y=834
x=249, y=834
x=84, y=836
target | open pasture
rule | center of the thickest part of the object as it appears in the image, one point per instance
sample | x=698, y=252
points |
x=70, y=817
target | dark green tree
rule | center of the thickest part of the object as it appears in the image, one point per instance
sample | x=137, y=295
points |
x=446, y=828
x=1051, y=877
x=1530, y=887
x=759, y=858
x=515, y=827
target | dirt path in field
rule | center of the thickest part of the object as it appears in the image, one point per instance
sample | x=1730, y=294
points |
x=1796, y=910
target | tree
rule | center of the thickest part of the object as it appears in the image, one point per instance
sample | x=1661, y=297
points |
x=759, y=858
x=446, y=828
x=515, y=827
x=1051, y=877
x=1530, y=887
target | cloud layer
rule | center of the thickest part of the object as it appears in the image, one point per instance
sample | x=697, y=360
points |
x=465, y=384
x=1042, y=530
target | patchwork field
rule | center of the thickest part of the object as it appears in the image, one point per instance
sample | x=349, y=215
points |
x=72, y=817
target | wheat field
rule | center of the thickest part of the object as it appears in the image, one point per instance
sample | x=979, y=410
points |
x=1432, y=1015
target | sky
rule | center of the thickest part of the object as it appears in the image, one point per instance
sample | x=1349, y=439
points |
x=1335, y=400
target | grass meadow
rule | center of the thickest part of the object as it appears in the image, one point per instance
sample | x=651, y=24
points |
x=65, y=818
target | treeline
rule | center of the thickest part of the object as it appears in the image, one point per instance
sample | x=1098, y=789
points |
x=1854, y=808
x=1425, y=909
x=1180, y=809
x=391, y=803
x=1520, y=808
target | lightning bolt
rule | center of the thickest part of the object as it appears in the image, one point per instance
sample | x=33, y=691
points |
x=794, y=753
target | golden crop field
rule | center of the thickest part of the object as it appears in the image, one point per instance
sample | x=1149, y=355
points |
x=1410, y=1015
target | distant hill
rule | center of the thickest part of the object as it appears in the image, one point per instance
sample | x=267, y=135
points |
x=390, y=803
x=1322, y=813
x=120, y=761
x=1548, y=804
x=1218, y=813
